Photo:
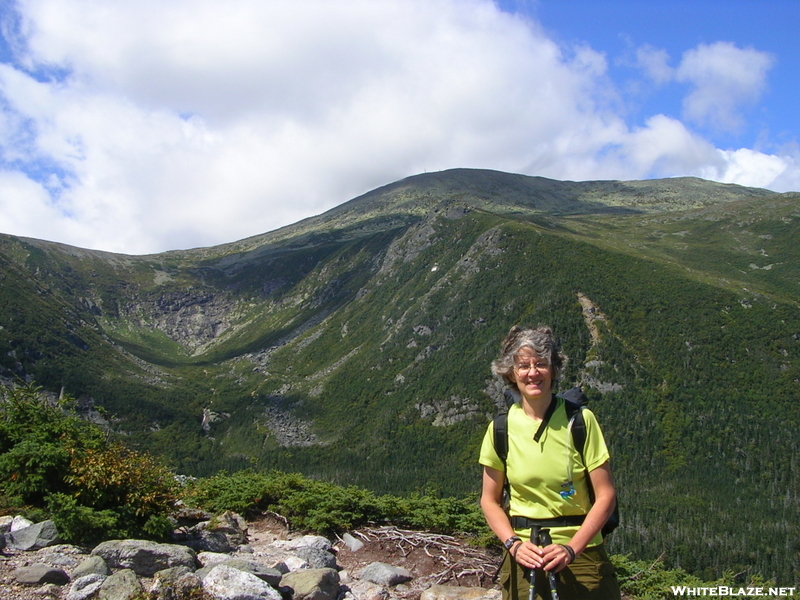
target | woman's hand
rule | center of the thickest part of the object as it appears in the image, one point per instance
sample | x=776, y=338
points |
x=528, y=555
x=555, y=557
x=552, y=558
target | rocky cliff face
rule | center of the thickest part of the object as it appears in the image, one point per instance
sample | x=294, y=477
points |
x=191, y=318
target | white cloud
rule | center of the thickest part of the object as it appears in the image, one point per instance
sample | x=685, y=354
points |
x=789, y=179
x=151, y=125
x=655, y=62
x=750, y=168
x=725, y=78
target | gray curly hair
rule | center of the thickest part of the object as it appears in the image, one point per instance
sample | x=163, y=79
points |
x=541, y=340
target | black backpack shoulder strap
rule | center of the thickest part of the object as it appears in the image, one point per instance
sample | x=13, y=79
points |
x=511, y=396
x=500, y=425
x=574, y=403
x=575, y=413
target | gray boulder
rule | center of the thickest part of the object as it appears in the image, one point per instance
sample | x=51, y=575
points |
x=209, y=541
x=312, y=584
x=167, y=576
x=316, y=558
x=312, y=550
x=5, y=524
x=280, y=559
x=122, y=585
x=227, y=583
x=145, y=558
x=39, y=573
x=202, y=572
x=263, y=572
x=33, y=537
x=384, y=574
x=91, y=565
x=186, y=586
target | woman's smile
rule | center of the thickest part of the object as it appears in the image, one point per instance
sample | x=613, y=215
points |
x=533, y=376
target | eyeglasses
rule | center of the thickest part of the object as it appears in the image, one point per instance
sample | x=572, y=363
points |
x=526, y=367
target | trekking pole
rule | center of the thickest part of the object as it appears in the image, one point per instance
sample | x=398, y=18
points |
x=535, y=541
x=544, y=536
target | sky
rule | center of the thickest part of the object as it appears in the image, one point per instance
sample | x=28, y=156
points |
x=140, y=127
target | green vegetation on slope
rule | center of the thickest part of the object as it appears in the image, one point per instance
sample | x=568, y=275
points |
x=355, y=347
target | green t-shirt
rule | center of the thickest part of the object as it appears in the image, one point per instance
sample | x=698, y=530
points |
x=539, y=471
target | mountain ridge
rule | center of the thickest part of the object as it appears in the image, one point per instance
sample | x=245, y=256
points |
x=482, y=184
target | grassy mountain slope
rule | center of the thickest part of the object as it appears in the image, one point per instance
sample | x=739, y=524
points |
x=355, y=345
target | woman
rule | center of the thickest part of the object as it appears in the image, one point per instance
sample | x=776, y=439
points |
x=548, y=481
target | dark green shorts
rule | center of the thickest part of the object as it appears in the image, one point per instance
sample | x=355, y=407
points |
x=590, y=577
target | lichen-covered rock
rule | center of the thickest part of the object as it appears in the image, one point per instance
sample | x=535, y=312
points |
x=122, y=585
x=175, y=583
x=312, y=584
x=145, y=558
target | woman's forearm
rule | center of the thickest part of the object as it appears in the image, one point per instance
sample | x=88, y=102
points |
x=497, y=519
x=491, y=498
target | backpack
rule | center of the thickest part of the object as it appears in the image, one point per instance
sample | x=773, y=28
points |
x=574, y=403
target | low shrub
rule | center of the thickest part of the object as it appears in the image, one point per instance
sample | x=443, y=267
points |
x=54, y=463
x=327, y=508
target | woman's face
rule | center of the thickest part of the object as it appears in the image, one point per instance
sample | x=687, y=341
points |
x=533, y=375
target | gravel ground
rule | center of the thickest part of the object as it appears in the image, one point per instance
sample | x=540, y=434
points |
x=11, y=590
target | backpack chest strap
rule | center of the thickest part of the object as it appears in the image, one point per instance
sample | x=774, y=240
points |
x=563, y=521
